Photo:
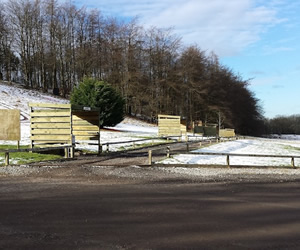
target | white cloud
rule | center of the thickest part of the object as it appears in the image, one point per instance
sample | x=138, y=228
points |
x=226, y=27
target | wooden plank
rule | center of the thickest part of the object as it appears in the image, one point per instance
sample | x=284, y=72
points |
x=50, y=110
x=168, y=122
x=45, y=145
x=49, y=105
x=85, y=118
x=50, y=119
x=177, y=126
x=51, y=137
x=84, y=128
x=41, y=142
x=84, y=123
x=86, y=138
x=51, y=125
x=169, y=119
x=85, y=133
x=49, y=114
x=169, y=116
x=50, y=131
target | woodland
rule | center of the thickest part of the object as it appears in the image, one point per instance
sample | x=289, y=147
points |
x=48, y=45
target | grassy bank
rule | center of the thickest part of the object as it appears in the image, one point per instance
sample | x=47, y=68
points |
x=26, y=157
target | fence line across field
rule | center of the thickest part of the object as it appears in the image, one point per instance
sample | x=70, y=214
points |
x=228, y=155
x=175, y=138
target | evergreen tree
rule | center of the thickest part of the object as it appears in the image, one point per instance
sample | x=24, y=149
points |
x=98, y=94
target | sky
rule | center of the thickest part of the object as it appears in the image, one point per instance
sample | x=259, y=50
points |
x=258, y=40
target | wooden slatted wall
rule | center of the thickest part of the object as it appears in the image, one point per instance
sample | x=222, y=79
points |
x=85, y=125
x=169, y=125
x=226, y=132
x=50, y=124
x=10, y=124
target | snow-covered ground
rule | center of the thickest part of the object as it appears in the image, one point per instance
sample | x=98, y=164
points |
x=244, y=146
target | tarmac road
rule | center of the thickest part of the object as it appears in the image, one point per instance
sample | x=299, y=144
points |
x=59, y=212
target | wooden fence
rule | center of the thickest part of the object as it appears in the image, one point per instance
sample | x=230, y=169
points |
x=228, y=155
x=50, y=124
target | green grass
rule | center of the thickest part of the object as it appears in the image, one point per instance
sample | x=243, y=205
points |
x=26, y=157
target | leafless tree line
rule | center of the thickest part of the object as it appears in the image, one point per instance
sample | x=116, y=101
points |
x=48, y=45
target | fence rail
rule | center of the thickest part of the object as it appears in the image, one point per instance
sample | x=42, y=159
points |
x=134, y=141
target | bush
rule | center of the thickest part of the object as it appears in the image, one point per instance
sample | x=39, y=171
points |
x=98, y=94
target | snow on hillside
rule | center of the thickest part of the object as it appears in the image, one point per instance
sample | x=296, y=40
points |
x=16, y=97
x=246, y=146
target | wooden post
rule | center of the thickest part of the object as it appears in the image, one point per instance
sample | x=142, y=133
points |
x=99, y=143
x=200, y=144
x=107, y=147
x=193, y=127
x=133, y=144
x=293, y=162
x=72, y=152
x=227, y=161
x=6, y=158
x=66, y=153
x=18, y=145
x=187, y=147
x=31, y=141
x=168, y=152
x=150, y=157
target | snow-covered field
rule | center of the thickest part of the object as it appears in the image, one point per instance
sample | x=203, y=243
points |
x=12, y=97
x=257, y=146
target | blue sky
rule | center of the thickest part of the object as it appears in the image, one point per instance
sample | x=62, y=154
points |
x=260, y=40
